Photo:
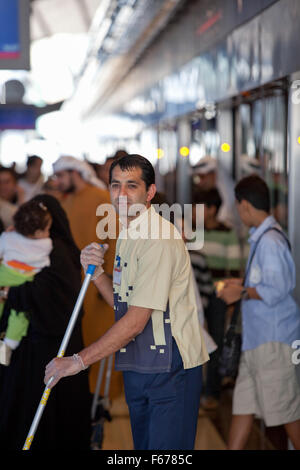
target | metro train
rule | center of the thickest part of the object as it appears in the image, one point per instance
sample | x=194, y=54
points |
x=222, y=79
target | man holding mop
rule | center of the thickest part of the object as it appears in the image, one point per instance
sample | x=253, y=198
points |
x=157, y=336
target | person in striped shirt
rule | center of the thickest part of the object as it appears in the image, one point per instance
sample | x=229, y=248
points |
x=224, y=258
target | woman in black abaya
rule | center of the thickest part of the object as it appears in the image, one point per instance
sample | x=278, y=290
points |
x=49, y=300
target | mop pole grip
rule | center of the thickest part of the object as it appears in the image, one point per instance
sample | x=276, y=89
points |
x=91, y=267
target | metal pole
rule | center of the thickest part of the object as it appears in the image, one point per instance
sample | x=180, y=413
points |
x=61, y=352
x=97, y=390
x=107, y=381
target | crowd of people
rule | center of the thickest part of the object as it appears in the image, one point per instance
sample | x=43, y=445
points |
x=153, y=304
x=44, y=225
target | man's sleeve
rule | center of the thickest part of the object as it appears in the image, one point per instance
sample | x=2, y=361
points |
x=154, y=276
x=277, y=271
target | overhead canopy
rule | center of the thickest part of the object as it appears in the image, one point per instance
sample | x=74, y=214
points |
x=107, y=38
x=49, y=17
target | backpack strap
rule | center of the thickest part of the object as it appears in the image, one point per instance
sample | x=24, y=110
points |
x=238, y=303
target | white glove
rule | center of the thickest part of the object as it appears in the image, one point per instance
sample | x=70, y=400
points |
x=93, y=254
x=61, y=367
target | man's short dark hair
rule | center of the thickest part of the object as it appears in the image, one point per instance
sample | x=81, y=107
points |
x=210, y=198
x=32, y=159
x=128, y=162
x=120, y=153
x=254, y=190
x=4, y=169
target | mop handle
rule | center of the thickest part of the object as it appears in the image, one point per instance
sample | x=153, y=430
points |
x=89, y=272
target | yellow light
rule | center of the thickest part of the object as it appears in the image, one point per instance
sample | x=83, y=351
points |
x=184, y=151
x=298, y=140
x=225, y=147
x=160, y=153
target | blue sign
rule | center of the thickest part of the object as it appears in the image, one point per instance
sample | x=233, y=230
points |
x=17, y=118
x=10, y=47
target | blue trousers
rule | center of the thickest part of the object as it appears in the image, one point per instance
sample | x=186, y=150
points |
x=164, y=407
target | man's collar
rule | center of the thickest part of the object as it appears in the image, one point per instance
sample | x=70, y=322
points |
x=140, y=219
x=147, y=212
x=256, y=232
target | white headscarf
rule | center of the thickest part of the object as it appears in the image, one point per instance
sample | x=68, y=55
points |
x=84, y=168
x=225, y=184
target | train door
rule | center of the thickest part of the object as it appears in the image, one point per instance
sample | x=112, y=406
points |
x=167, y=153
x=261, y=143
x=204, y=139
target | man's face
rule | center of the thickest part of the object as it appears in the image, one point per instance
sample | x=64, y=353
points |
x=64, y=180
x=130, y=184
x=207, y=181
x=210, y=212
x=244, y=213
x=35, y=169
x=8, y=186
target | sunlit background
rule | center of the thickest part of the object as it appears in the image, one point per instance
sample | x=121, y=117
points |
x=72, y=56
x=81, y=55
x=61, y=54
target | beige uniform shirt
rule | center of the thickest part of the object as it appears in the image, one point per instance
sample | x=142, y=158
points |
x=152, y=270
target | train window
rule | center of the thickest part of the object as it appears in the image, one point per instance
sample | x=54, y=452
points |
x=205, y=139
x=258, y=125
x=274, y=156
x=247, y=139
x=167, y=154
x=167, y=150
x=262, y=147
x=148, y=142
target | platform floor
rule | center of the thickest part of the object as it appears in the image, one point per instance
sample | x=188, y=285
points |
x=117, y=433
x=212, y=431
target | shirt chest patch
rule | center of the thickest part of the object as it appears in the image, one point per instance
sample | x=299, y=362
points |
x=255, y=275
x=117, y=274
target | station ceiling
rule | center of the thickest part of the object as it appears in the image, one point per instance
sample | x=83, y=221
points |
x=49, y=17
x=116, y=34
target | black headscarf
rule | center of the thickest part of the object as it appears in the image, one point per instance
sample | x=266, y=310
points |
x=60, y=227
x=49, y=301
x=56, y=287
